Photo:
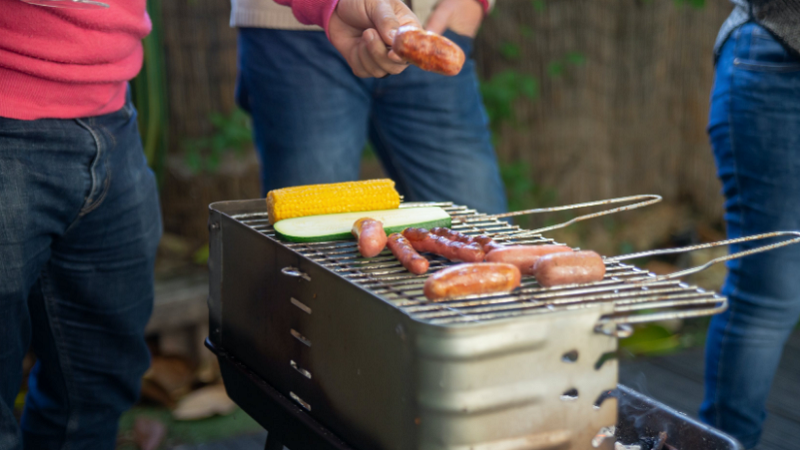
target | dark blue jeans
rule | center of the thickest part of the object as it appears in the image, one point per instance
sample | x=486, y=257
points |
x=755, y=131
x=312, y=117
x=79, y=227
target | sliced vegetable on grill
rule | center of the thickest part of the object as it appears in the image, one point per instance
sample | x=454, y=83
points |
x=330, y=227
x=569, y=268
x=316, y=199
x=472, y=279
x=370, y=236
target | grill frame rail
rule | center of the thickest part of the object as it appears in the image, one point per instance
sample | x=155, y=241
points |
x=638, y=296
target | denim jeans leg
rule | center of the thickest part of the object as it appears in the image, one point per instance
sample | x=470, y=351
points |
x=309, y=111
x=431, y=132
x=84, y=237
x=755, y=132
x=43, y=182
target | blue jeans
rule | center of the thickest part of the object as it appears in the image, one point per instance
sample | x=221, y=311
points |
x=79, y=227
x=312, y=116
x=755, y=132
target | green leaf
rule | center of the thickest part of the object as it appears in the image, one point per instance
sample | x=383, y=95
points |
x=194, y=162
x=529, y=87
x=555, y=69
x=576, y=58
x=201, y=255
x=538, y=5
x=510, y=50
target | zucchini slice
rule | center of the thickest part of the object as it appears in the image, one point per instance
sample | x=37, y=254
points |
x=330, y=227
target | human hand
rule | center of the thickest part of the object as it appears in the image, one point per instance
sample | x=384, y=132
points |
x=361, y=30
x=460, y=16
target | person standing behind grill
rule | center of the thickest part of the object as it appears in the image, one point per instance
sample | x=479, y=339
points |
x=79, y=214
x=312, y=113
x=754, y=128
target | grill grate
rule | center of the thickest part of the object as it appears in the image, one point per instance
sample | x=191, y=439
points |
x=636, y=296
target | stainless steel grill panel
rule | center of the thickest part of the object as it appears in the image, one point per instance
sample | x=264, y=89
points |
x=635, y=295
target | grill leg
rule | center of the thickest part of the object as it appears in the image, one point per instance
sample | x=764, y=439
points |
x=273, y=443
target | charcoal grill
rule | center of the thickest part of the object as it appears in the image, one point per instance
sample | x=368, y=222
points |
x=356, y=346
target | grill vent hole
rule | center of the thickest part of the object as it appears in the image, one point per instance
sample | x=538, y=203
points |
x=570, y=357
x=605, y=357
x=570, y=395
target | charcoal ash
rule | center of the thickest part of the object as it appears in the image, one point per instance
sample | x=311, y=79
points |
x=647, y=443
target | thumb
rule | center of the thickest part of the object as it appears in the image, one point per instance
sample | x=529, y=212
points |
x=437, y=22
x=384, y=19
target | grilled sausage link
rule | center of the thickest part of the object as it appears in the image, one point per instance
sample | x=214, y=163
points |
x=486, y=242
x=471, y=279
x=428, y=51
x=569, y=268
x=424, y=241
x=405, y=253
x=524, y=256
x=370, y=235
x=453, y=235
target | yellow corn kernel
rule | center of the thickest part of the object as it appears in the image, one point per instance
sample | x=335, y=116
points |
x=314, y=199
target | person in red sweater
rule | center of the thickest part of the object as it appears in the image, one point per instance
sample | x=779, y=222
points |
x=79, y=213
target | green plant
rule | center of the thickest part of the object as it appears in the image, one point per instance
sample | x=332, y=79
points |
x=231, y=133
x=697, y=4
x=502, y=91
x=149, y=93
x=558, y=67
x=522, y=192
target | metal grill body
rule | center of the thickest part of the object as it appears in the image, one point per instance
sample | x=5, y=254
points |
x=354, y=341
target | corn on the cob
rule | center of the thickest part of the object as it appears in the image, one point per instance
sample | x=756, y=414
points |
x=314, y=199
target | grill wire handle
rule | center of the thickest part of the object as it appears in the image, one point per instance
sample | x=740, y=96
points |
x=616, y=326
x=692, y=270
x=643, y=200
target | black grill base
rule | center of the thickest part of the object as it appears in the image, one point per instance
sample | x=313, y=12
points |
x=290, y=425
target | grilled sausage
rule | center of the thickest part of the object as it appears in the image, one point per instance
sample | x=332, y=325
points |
x=487, y=243
x=453, y=235
x=428, y=51
x=524, y=256
x=424, y=241
x=370, y=235
x=405, y=253
x=568, y=268
x=471, y=279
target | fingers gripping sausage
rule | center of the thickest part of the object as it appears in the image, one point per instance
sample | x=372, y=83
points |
x=524, y=256
x=471, y=279
x=568, y=268
x=428, y=51
x=406, y=254
x=370, y=235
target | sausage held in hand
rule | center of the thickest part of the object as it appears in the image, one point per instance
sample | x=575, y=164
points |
x=370, y=235
x=569, y=268
x=472, y=279
x=428, y=51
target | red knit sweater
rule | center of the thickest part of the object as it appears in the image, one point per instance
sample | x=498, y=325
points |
x=66, y=63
